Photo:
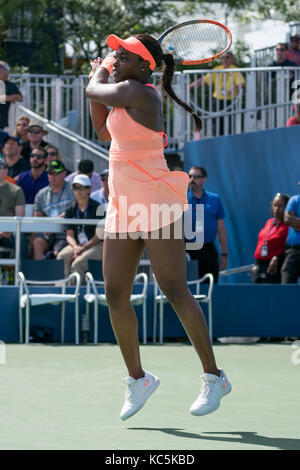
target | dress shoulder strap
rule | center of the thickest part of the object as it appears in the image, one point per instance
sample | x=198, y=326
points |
x=152, y=86
x=162, y=133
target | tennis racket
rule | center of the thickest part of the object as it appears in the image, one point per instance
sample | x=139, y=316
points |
x=196, y=42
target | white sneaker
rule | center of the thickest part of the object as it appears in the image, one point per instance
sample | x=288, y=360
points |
x=213, y=389
x=137, y=392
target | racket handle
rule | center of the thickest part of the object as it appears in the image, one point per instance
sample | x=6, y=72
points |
x=108, y=63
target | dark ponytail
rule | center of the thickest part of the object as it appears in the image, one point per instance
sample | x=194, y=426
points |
x=154, y=48
x=166, y=80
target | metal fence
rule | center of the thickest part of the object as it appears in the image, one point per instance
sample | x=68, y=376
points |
x=262, y=99
x=72, y=146
x=19, y=225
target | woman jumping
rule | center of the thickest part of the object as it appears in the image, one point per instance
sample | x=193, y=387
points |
x=139, y=179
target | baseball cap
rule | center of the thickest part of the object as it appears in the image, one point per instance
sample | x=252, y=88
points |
x=84, y=180
x=14, y=138
x=104, y=172
x=4, y=65
x=3, y=163
x=55, y=167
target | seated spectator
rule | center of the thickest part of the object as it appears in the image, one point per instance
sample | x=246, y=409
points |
x=83, y=242
x=53, y=153
x=86, y=167
x=7, y=178
x=290, y=271
x=293, y=52
x=12, y=204
x=35, y=132
x=294, y=120
x=101, y=195
x=52, y=201
x=12, y=153
x=269, y=252
x=21, y=129
x=36, y=178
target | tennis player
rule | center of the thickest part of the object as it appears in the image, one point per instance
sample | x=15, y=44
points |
x=138, y=175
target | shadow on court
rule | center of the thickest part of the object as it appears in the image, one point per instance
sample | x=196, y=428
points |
x=248, y=438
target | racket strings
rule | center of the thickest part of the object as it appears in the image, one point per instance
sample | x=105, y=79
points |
x=197, y=42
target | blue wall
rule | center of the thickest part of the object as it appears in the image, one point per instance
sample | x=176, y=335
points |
x=247, y=170
x=238, y=310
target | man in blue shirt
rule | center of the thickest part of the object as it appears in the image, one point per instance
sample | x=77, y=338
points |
x=290, y=271
x=36, y=178
x=207, y=256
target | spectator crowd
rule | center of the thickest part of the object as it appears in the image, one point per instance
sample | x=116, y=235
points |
x=33, y=174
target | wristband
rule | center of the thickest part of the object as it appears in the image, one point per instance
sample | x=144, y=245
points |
x=108, y=63
x=224, y=254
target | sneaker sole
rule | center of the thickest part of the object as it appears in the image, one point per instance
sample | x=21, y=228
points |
x=150, y=391
x=196, y=413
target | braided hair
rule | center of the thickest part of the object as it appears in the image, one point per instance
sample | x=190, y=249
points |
x=167, y=62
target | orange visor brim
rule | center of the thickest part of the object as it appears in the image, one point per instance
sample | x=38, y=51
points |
x=133, y=45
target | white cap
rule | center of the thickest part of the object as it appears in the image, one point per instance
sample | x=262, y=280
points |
x=4, y=65
x=84, y=180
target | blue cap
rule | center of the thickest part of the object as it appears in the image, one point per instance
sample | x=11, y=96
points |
x=14, y=138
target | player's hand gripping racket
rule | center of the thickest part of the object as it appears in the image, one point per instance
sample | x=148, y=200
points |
x=196, y=42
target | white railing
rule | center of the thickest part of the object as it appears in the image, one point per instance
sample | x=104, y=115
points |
x=263, y=103
x=72, y=146
x=19, y=225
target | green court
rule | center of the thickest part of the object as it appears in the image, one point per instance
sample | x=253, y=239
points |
x=69, y=397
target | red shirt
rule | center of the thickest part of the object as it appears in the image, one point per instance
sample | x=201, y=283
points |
x=274, y=236
x=292, y=121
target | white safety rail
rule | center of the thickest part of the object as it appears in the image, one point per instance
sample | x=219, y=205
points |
x=264, y=103
x=19, y=225
x=241, y=269
x=72, y=146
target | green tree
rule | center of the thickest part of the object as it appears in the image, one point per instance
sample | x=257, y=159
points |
x=86, y=23
x=30, y=34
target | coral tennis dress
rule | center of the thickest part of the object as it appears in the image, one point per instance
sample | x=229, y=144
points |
x=144, y=195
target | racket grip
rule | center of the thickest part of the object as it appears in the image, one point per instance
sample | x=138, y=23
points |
x=108, y=63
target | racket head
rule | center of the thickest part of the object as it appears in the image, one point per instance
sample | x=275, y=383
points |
x=196, y=41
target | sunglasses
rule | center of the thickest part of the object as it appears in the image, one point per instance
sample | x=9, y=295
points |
x=79, y=188
x=104, y=178
x=34, y=132
x=196, y=177
x=52, y=154
x=37, y=155
x=280, y=49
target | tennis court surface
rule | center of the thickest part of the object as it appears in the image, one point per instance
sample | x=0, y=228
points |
x=69, y=397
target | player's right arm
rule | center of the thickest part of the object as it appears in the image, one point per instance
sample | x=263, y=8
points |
x=99, y=111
